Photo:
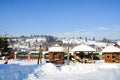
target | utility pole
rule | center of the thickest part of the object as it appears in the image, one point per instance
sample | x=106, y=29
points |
x=68, y=55
x=40, y=54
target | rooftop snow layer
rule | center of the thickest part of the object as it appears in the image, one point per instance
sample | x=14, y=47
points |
x=83, y=48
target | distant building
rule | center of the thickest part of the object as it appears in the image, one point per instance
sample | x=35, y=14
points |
x=117, y=44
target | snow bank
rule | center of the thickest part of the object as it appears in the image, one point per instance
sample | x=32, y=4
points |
x=79, y=68
x=49, y=71
x=42, y=72
x=76, y=71
x=109, y=66
x=47, y=68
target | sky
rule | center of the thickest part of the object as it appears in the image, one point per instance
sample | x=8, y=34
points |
x=61, y=18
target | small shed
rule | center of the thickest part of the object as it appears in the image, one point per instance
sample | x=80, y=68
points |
x=80, y=51
x=111, y=54
x=56, y=54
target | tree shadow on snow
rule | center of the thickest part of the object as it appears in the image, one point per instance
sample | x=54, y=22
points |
x=15, y=71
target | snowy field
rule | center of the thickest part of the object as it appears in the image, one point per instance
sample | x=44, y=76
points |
x=29, y=70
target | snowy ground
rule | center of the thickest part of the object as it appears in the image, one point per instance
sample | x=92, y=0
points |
x=29, y=70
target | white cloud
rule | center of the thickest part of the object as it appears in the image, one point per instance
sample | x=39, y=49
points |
x=102, y=28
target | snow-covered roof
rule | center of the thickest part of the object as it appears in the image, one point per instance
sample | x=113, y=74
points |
x=56, y=48
x=83, y=48
x=111, y=49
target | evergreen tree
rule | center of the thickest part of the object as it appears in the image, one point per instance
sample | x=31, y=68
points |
x=3, y=44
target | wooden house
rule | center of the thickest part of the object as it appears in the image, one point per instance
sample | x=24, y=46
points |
x=111, y=54
x=56, y=54
x=80, y=51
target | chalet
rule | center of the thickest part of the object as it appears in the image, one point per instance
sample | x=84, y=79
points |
x=56, y=54
x=111, y=54
x=83, y=53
